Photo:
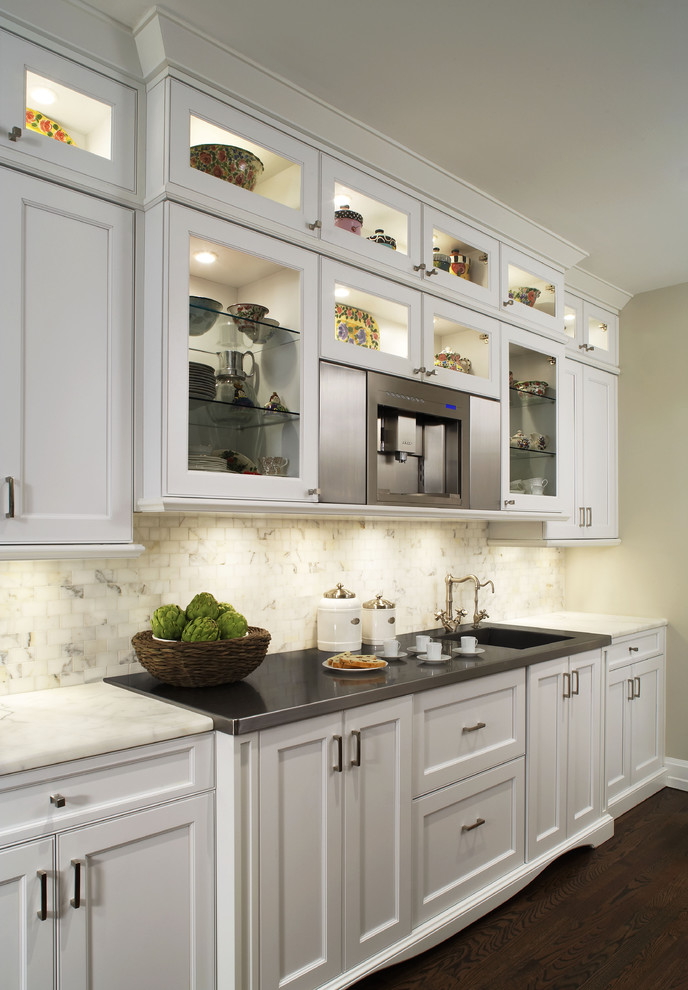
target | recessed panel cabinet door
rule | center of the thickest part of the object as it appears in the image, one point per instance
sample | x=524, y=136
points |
x=27, y=916
x=66, y=283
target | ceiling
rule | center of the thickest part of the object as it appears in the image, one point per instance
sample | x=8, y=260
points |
x=572, y=112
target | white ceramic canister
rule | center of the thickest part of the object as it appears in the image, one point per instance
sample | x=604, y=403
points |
x=379, y=620
x=339, y=621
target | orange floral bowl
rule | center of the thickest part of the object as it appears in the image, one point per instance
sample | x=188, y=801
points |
x=235, y=165
x=38, y=122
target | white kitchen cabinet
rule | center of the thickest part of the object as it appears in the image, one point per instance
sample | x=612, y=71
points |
x=472, y=275
x=100, y=897
x=334, y=881
x=564, y=750
x=532, y=293
x=592, y=331
x=634, y=720
x=222, y=401
x=66, y=399
x=66, y=119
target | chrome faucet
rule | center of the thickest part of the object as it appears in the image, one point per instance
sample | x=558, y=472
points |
x=452, y=621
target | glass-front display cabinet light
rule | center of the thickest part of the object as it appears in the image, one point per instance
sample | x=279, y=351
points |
x=533, y=422
x=244, y=362
x=230, y=157
x=68, y=116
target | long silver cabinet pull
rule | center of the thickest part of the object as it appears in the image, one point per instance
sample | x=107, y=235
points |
x=42, y=875
x=356, y=735
x=581, y=516
x=476, y=824
x=10, y=505
x=636, y=680
x=588, y=512
x=473, y=728
x=575, y=689
x=567, y=685
x=339, y=765
x=631, y=693
x=76, y=900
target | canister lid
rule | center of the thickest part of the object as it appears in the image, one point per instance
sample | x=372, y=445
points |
x=339, y=592
x=378, y=602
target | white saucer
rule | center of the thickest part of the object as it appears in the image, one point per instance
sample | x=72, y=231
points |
x=468, y=653
x=391, y=656
x=423, y=657
x=413, y=649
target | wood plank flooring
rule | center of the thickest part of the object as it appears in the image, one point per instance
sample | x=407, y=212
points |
x=612, y=918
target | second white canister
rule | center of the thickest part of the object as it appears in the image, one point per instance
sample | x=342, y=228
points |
x=339, y=621
x=379, y=621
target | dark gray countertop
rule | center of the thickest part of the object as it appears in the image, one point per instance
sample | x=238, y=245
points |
x=288, y=687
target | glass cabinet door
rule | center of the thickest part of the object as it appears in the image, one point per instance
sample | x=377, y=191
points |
x=369, y=322
x=532, y=293
x=66, y=115
x=460, y=347
x=224, y=154
x=242, y=402
x=460, y=258
x=530, y=410
x=601, y=334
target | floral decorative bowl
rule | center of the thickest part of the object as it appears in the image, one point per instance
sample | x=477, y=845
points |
x=355, y=326
x=247, y=317
x=533, y=388
x=525, y=294
x=38, y=122
x=225, y=161
x=203, y=314
x=452, y=361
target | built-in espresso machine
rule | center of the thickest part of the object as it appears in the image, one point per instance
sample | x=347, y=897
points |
x=394, y=441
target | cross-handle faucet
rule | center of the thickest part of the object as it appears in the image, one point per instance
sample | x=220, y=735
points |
x=446, y=617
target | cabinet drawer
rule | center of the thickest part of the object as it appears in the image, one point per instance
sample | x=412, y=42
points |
x=94, y=788
x=636, y=647
x=466, y=836
x=462, y=729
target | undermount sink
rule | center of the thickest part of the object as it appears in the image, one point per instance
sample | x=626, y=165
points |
x=510, y=639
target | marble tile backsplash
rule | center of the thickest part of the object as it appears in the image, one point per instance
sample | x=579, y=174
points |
x=70, y=622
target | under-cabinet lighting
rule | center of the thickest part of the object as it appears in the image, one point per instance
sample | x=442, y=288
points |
x=43, y=95
x=206, y=257
x=340, y=292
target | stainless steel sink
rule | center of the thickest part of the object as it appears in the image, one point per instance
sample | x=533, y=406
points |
x=509, y=639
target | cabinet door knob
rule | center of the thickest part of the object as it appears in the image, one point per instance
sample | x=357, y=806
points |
x=509, y=501
x=316, y=225
x=508, y=302
x=58, y=800
x=420, y=267
x=14, y=134
x=476, y=824
x=313, y=491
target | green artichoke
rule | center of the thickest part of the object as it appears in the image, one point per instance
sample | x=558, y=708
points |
x=232, y=625
x=168, y=621
x=203, y=606
x=225, y=607
x=201, y=630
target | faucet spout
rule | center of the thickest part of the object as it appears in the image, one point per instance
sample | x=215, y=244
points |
x=452, y=621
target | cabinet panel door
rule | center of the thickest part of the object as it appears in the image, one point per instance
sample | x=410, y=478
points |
x=137, y=900
x=27, y=938
x=583, y=802
x=547, y=756
x=618, y=731
x=647, y=724
x=377, y=895
x=65, y=378
x=599, y=450
x=300, y=854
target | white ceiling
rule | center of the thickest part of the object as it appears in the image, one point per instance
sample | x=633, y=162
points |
x=572, y=112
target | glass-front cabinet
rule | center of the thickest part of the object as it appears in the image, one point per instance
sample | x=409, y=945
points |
x=592, y=332
x=460, y=347
x=532, y=293
x=241, y=371
x=460, y=259
x=222, y=154
x=64, y=115
x=531, y=473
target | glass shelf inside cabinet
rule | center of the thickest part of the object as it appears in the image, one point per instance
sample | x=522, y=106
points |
x=370, y=219
x=457, y=257
x=62, y=114
x=233, y=158
x=530, y=290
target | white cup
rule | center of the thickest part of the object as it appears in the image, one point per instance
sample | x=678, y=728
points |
x=391, y=647
x=433, y=651
x=422, y=643
x=469, y=644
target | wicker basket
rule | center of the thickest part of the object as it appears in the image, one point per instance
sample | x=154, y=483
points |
x=202, y=664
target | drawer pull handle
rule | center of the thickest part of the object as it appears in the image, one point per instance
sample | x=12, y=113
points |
x=473, y=728
x=339, y=766
x=58, y=800
x=476, y=824
x=10, y=505
x=356, y=762
x=633, y=649
x=567, y=685
x=636, y=680
x=43, y=877
x=631, y=692
x=576, y=686
x=76, y=900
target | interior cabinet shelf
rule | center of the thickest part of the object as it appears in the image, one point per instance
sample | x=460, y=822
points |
x=517, y=397
x=214, y=412
x=521, y=452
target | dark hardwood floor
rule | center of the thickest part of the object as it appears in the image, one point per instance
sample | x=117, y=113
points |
x=613, y=917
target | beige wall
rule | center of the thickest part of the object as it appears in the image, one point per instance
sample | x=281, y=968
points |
x=647, y=574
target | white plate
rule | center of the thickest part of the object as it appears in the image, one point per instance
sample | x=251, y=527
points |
x=423, y=657
x=353, y=670
x=392, y=656
x=468, y=653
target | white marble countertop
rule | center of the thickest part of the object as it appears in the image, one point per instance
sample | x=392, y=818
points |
x=41, y=728
x=592, y=622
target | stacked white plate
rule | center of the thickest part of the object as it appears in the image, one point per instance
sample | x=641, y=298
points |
x=206, y=462
x=201, y=380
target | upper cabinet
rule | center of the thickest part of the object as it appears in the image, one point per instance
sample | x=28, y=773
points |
x=532, y=293
x=224, y=156
x=592, y=332
x=460, y=260
x=66, y=119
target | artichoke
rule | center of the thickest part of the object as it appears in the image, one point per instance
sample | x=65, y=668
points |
x=225, y=607
x=203, y=606
x=231, y=625
x=168, y=621
x=200, y=630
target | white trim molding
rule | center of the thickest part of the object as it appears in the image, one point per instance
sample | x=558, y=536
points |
x=677, y=774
